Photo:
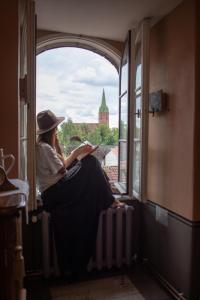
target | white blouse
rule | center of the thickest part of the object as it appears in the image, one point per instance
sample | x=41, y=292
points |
x=47, y=166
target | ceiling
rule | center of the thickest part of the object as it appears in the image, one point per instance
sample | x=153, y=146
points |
x=110, y=19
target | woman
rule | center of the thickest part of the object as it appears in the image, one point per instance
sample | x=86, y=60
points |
x=74, y=192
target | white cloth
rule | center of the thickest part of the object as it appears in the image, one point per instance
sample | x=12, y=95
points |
x=47, y=166
x=16, y=197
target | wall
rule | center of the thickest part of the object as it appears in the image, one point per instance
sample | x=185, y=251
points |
x=9, y=131
x=171, y=217
x=116, y=44
x=197, y=119
x=171, y=246
x=171, y=135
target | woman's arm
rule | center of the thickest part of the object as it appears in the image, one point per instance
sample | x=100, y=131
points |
x=75, y=153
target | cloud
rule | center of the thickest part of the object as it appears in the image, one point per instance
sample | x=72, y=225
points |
x=96, y=76
x=70, y=83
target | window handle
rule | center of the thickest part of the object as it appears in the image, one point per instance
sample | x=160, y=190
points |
x=138, y=113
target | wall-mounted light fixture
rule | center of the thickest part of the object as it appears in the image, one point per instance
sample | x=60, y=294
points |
x=157, y=102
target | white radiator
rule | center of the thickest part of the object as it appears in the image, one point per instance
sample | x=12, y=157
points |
x=113, y=245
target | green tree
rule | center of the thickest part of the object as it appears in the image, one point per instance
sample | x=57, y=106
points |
x=94, y=136
x=102, y=134
x=112, y=137
x=65, y=132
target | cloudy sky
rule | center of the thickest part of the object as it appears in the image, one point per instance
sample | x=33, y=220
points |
x=70, y=82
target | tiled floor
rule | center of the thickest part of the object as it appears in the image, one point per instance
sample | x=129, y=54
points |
x=146, y=285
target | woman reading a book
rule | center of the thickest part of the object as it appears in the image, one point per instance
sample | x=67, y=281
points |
x=73, y=191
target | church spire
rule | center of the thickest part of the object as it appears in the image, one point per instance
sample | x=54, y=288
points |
x=103, y=111
x=103, y=108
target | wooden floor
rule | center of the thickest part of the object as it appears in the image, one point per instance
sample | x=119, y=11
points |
x=144, y=287
x=110, y=288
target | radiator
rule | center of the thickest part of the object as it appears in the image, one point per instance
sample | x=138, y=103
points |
x=113, y=245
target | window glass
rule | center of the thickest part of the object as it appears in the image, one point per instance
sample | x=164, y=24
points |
x=137, y=126
x=123, y=162
x=124, y=117
x=124, y=72
x=136, y=166
x=138, y=76
x=137, y=129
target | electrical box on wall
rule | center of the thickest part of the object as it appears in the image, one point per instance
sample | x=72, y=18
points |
x=157, y=102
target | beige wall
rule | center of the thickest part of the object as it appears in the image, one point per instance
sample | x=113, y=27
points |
x=197, y=119
x=9, y=132
x=171, y=135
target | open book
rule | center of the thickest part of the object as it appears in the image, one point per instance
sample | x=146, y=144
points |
x=94, y=147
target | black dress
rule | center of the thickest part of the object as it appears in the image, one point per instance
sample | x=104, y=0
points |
x=75, y=203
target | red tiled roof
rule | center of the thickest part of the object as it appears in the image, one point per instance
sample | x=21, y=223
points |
x=112, y=172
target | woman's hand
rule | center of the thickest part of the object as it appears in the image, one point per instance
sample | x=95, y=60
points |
x=75, y=153
x=81, y=150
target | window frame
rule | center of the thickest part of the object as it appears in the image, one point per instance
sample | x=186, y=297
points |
x=133, y=37
x=140, y=36
x=124, y=189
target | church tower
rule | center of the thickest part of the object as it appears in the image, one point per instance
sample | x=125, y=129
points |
x=103, y=111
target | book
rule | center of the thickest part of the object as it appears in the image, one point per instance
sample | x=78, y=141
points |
x=93, y=148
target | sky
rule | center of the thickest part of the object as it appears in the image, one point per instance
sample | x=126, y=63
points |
x=70, y=82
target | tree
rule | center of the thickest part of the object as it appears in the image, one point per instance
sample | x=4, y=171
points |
x=112, y=137
x=102, y=134
x=66, y=131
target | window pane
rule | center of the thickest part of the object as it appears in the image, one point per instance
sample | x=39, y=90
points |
x=124, y=117
x=138, y=76
x=137, y=148
x=123, y=163
x=137, y=127
x=136, y=166
x=124, y=72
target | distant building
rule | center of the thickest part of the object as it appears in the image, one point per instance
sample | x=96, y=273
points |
x=103, y=111
x=112, y=173
x=103, y=115
x=111, y=158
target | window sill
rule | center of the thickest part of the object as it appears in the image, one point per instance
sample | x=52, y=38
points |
x=122, y=197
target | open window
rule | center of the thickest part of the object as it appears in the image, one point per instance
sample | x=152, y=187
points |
x=27, y=98
x=124, y=112
x=133, y=113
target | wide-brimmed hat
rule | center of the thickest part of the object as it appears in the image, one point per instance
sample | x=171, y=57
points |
x=47, y=120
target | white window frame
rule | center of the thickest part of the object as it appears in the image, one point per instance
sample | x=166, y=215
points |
x=142, y=36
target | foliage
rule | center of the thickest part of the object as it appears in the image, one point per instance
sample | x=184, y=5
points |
x=102, y=134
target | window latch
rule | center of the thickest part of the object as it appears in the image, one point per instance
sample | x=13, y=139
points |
x=138, y=113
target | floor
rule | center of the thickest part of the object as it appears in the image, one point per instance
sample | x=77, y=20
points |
x=139, y=275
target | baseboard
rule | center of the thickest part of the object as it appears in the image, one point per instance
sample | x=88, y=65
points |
x=171, y=289
x=172, y=246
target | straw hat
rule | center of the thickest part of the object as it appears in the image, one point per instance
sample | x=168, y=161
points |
x=46, y=121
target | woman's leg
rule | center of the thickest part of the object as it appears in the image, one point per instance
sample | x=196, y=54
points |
x=79, y=202
x=97, y=182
